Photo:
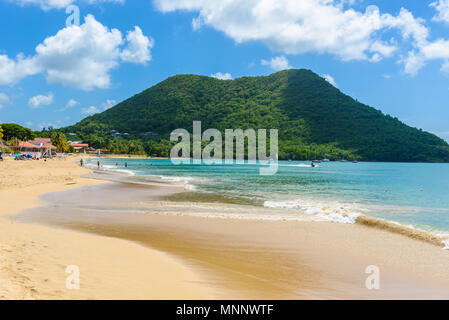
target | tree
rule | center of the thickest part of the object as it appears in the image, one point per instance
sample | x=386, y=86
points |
x=59, y=140
x=95, y=141
x=13, y=130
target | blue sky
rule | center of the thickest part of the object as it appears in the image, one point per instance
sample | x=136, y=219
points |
x=393, y=57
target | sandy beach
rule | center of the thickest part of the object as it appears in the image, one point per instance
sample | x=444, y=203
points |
x=143, y=254
x=34, y=258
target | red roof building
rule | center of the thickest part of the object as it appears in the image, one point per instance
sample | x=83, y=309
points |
x=40, y=141
x=80, y=146
x=26, y=146
x=23, y=146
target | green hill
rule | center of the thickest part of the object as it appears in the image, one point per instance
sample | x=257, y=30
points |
x=311, y=115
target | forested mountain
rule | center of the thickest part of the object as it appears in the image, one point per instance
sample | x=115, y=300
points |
x=312, y=117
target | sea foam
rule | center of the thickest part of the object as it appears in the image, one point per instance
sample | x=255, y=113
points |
x=328, y=211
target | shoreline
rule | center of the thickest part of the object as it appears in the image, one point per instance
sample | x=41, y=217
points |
x=34, y=257
x=268, y=259
x=396, y=228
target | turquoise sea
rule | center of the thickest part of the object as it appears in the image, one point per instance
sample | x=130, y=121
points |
x=412, y=194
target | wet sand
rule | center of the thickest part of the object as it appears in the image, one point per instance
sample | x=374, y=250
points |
x=242, y=259
x=34, y=257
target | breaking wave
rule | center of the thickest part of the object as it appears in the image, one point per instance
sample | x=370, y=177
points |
x=330, y=211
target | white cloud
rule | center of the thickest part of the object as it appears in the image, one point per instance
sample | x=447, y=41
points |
x=413, y=63
x=330, y=79
x=296, y=27
x=58, y=4
x=41, y=100
x=79, y=56
x=442, y=8
x=424, y=50
x=445, y=67
x=222, y=76
x=427, y=51
x=139, y=47
x=4, y=99
x=278, y=63
x=90, y=111
x=70, y=104
x=108, y=104
x=438, y=49
x=14, y=70
x=322, y=26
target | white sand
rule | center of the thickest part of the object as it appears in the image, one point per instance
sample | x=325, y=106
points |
x=34, y=258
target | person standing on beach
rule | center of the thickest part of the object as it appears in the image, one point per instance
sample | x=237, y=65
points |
x=126, y=164
x=98, y=164
x=81, y=162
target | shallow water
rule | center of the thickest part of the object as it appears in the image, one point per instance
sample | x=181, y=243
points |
x=415, y=195
x=240, y=259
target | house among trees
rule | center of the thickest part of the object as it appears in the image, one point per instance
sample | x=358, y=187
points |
x=24, y=146
x=38, y=145
x=79, y=147
x=44, y=145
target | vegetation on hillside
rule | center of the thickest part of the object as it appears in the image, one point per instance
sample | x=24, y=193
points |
x=313, y=117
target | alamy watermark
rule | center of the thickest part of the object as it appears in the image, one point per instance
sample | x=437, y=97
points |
x=74, y=16
x=72, y=282
x=372, y=282
x=189, y=150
